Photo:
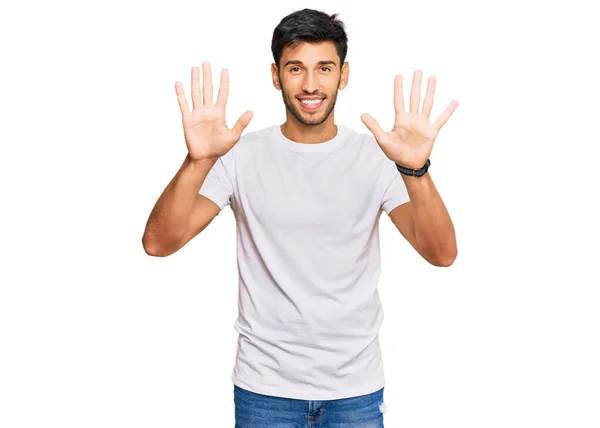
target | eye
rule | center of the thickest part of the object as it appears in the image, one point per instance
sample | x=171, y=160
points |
x=326, y=68
x=294, y=68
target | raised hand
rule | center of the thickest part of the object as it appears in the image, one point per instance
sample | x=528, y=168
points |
x=205, y=129
x=410, y=141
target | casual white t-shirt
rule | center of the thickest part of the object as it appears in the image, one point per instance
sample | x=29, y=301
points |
x=308, y=257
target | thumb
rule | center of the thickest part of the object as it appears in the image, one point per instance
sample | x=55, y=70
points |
x=373, y=125
x=242, y=122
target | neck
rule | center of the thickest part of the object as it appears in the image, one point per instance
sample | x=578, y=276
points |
x=309, y=134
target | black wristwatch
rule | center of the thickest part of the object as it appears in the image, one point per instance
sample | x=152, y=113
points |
x=414, y=172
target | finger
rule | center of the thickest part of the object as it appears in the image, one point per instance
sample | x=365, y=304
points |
x=441, y=121
x=373, y=126
x=242, y=122
x=398, y=96
x=223, y=88
x=207, y=87
x=183, y=105
x=415, y=92
x=428, y=103
x=196, y=87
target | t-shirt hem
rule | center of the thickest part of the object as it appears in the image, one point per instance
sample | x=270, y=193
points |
x=303, y=394
x=396, y=204
x=214, y=196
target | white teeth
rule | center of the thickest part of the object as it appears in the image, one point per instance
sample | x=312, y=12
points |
x=311, y=102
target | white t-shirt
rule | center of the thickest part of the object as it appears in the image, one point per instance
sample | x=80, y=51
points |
x=308, y=257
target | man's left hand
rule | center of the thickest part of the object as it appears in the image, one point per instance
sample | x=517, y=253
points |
x=410, y=141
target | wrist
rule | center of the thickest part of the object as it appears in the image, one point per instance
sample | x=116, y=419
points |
x=412, y=171
x=202, y=162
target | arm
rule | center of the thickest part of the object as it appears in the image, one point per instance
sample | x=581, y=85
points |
x=425, y=219
x=425, y=222
x=180, y=213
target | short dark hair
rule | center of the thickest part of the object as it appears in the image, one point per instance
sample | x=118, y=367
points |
x=312, y=26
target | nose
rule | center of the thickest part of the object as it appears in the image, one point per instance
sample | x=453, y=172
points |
x=310, y=83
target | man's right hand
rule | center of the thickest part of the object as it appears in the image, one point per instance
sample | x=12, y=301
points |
x=206, y=133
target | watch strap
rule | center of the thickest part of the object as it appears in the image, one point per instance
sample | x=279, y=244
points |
x=414, y=172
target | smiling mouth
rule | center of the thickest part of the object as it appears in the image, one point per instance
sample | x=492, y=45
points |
x=311, y=104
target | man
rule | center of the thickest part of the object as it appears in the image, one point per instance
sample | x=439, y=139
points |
x=307, y=196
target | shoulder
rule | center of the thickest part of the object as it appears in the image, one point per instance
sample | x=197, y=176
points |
x=368, y=148
x=261, y=134
x=249, y=142
x=364, y=138
x=254, y=139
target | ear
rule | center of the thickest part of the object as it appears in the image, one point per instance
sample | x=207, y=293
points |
x=345, y=75
x=275, y=76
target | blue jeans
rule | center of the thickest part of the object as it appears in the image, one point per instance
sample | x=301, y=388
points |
x=254, y=410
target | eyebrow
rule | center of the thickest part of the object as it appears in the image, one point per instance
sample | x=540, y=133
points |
x=298, y=62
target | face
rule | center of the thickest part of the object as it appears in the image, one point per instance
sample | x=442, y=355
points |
x=310, y=71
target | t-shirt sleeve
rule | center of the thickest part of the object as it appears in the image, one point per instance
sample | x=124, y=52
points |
x=395, y=192
x=218, y=184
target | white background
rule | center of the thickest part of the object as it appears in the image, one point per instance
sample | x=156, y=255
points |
x=96, y=333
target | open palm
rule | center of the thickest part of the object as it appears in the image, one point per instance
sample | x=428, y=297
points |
x=410, y=141
x=205, y=128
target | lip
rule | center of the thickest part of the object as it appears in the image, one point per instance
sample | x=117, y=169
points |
x=306, y=107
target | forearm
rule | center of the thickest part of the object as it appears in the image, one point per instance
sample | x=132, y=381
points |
x=434, y=231
x=169, y=217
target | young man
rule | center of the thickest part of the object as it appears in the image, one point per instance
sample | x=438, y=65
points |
x=307, y=196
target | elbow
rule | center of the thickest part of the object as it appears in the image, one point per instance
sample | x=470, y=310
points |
x=440, y=251
x=152, y=248
x=443, y=262
x=443, y=259
x=154, y=253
